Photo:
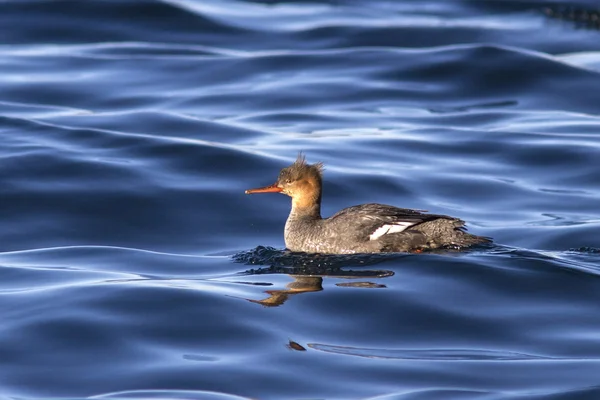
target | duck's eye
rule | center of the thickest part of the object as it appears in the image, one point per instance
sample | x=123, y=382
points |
x=288, y=181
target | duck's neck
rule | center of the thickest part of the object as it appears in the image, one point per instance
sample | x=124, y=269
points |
x=307, y=210
x=302, y=223
x=306, y=204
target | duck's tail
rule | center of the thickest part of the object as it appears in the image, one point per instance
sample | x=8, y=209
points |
x=449, y=232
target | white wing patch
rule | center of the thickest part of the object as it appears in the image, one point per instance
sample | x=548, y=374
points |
x=391, y=228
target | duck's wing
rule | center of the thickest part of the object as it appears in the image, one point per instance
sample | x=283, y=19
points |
x=372, y=221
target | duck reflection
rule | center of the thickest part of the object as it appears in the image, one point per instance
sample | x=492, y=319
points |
x=309, y=270
x=301, y=284
x=305, y=284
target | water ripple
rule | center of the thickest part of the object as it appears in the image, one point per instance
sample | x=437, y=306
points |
x=132, y=264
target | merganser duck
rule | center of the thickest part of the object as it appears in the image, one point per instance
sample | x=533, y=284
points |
x=366, y=228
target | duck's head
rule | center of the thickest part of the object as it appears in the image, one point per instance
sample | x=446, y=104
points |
x=301, y=181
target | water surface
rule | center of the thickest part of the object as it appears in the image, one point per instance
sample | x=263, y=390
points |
x=133, y=266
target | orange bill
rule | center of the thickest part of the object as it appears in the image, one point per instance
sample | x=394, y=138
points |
x=267, y=189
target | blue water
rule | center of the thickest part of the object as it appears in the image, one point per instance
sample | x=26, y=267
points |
x=133, y=266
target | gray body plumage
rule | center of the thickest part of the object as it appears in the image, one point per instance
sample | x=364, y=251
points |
x=349, y=231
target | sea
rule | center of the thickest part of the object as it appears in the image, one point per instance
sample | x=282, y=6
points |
x=133, y=266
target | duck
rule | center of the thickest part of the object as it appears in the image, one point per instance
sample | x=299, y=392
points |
x=364, y=228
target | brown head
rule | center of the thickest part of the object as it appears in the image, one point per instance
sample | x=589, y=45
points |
x=301, y=181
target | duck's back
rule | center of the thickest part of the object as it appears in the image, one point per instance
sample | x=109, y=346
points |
x=373, y=228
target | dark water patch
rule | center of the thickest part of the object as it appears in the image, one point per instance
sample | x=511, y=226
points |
x=471, y=107
x=104, y=22
x=582, y=17
x=591, y=250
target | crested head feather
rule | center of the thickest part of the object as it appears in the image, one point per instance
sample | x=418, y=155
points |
x=301, y=166
x=301, y=169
